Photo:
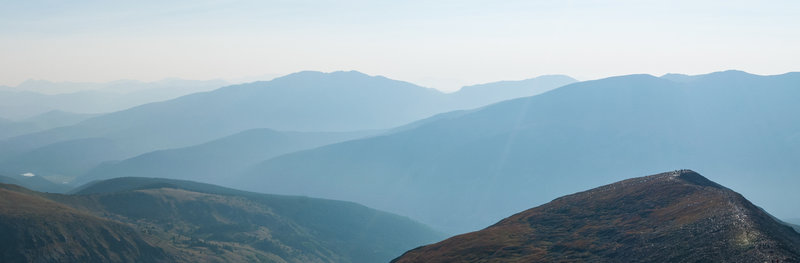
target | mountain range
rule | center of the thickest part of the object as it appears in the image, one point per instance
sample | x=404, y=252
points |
x=462, y=170
x=678, y=216
x=440, y=170
x=456, y=162
x=304, y=101
x=159, y=220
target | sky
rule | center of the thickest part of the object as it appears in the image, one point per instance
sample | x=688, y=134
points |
x=437, y=44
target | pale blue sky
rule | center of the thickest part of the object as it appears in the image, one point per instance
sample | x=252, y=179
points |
x=442, y=45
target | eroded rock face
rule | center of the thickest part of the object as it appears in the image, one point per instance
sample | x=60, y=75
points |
x=677, y=216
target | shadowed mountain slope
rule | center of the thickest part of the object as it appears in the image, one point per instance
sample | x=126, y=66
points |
x=672, y=217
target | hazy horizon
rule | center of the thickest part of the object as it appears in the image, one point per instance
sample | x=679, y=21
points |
x=75, y=86
x=443, y=45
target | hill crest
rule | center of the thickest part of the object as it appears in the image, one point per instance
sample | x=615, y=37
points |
x=673, y=216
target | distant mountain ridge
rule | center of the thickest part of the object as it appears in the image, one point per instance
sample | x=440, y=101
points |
x=116, y=86
x=36, y=97
x=478, y=95
x=305, y=101
x=671, y=217
x=459, y=171
x=212, y=161
x=41, y=122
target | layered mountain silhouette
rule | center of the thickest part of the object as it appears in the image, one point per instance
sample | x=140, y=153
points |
x=479, y=95
x=41, y=122
x=463, y=170
x=671, y=217
x=305, y=101
x=9, y=128
x=35, y=97
x=57, y=118
x=213, y=161
x=159, y=220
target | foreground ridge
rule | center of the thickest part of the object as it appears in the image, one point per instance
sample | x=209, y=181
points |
x=137, y=219
x=678, y=216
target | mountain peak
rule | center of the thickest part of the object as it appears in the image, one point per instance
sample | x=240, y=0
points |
x=688, y=176
x=320, y=74
x=633, y=79
x=727, y=75
x=733, y=72
x=695, y=178
x=684, y=78
x=34, y=82
x=663, y=217
x=677, y=77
